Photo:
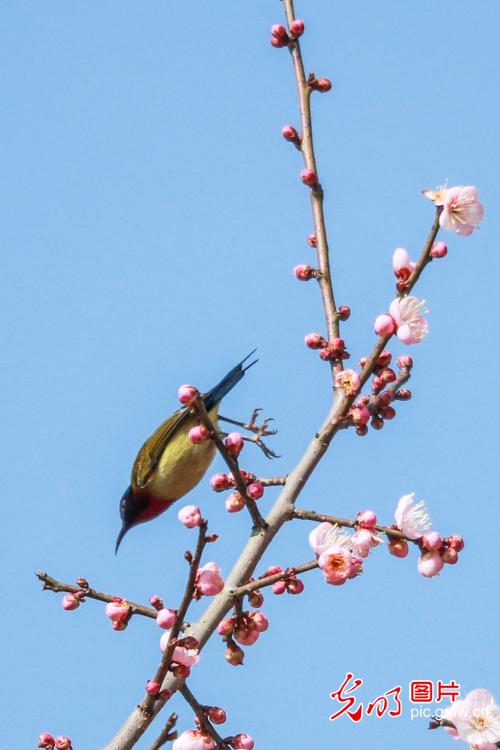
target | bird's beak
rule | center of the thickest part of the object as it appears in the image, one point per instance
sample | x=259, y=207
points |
x=120, y=536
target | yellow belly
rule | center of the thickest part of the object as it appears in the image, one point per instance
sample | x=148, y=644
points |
x=182, y=464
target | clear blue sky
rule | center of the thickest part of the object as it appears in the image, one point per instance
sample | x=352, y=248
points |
x=151, y=215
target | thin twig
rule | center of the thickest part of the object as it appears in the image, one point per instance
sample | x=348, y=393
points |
x=205, y=722
x=199, y=407
x=269, y=580
x=166, y=735
x=307, y=147
x=50, y=584
x=311, y=515
x=187, y=598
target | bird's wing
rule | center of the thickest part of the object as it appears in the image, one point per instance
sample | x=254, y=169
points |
x=151, y=451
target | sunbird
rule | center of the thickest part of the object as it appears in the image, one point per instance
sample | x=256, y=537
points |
x=169, y=465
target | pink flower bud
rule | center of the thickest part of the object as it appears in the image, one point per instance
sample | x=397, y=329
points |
x=279, y=31
x=308, y=177
x=272, y=570
x=349, y=381
x=361, y=430
x=312, y=240
x=303, y=272
x=401, y=263
x=198, y=434
x=405, y=362
x=234, y=655
x=279, y=587
x=324, y=85
x=404, y=394
x=216, y=715
x=180, y=670
x=119, y=612
x=243, y=742
x=327, y=354
x=46, y=741
x=385, y=398
x=260, y=620
x=450, y=556
x=384, y=325
x=152, y=687
x=366, y=519
x=431, y=541
x=70, y=601
x=235, y=502
x=314, y=341
x=456, y=542
x=429, y=564
x=186, y=393
x=438, y=250
x=398, y=547
x=384, y=359
x=295, y=586
x=255, y=598
x=247, y=637
x=289, y=133
x=234, y=444
x=208, y=579
x=297, y=28
x=190, y=516
x=344, y=312
x=377, y=423
x=360, y=415
x=156, y=601
x=255, y=490
x=165, y=618
x=387, y=375
x=220, y=481
x=62, y=743
x=225, y=627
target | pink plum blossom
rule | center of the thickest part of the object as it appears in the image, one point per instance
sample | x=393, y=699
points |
x=412, y=518
x=46, y=741
x=349, y=381
x=366, y=519
x=335, y=562
x=186, y=656
x=198, y=434
x=462, y=212
x=325, y=535
x=190, y=516
x=208, y=579
x=411, y=325
x=476, y=718
x=363, y=541
x=431, y=541
x=63, y=743
x=234, y=502
x=193, y=739
x=430, y=564
x=70, y=601
x=401, y=263
x=119, y=613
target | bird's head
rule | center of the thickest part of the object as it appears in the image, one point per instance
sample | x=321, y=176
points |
x=138, y=507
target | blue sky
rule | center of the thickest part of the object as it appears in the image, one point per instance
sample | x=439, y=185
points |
x=152, y=215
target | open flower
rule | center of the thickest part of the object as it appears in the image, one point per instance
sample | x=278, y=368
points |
x=411, y=325
x=335, y=562
x=462, y=211
x=349, y=380
x=412, y=518
x=476, y=718
x=325, y=535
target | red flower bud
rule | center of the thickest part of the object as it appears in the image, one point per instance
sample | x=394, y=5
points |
x=312, y=240
x=289, y=133
x=405, y=362
x=308, y=177
x=398, y=547
x=303, y=272
x=297, y=28
x=344, y=312
x=324, y=85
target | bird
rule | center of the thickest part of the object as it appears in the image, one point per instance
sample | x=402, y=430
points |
x=169, y=465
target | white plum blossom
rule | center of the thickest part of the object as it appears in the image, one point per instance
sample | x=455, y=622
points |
x=476, y=718
x=412, y=518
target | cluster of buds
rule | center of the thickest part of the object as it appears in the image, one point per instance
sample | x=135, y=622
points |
x=412, y=519
x=289, y=583
x=119, y=612
x=365, y=537
x=198, y=739
x=280, y=37
x=244, y=628
x=329, y=351
x=235, y=501
x=49, y=743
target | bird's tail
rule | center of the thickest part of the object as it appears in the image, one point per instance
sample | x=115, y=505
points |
x=217, y=393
